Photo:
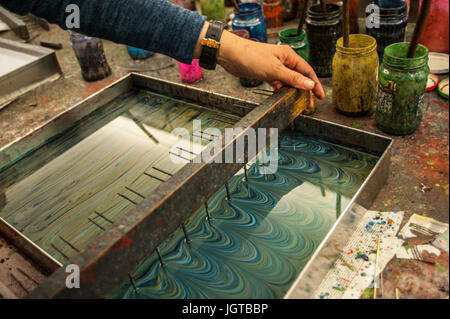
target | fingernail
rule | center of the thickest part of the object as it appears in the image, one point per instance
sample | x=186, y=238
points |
x=310, y=84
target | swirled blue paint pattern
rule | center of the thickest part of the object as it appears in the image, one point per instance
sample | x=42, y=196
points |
x=256, y=244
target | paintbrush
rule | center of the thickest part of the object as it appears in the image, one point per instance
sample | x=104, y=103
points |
x=376, y=267
x=346, y=25
x=425, y=9
x=324, y=5
x=303, y=7
x=236, y=5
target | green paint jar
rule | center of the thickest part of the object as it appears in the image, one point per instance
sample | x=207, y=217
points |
x=401, y=89
x=299, y=43
x=355, y=72
x=214, y=9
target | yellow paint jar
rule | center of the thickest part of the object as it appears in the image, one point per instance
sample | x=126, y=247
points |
x=355, y=72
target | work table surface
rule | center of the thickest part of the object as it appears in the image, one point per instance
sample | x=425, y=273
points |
x=419, y=178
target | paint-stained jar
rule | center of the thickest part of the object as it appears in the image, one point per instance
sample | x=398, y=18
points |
x=214, y=9
x=273, y=11
x=355, y=71
x=299, y=43
x=250, y=17
x=401, y=91
x=323, y=30
x=91, y=56
x=387, y=25
x=290, y=9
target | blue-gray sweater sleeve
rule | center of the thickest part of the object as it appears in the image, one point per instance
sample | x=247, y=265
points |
x=155, y=25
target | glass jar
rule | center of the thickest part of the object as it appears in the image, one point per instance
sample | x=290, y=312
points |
x=392, y=26
x=401, y=89
x=299, y=43
x=245, y=81
x=355, y=72
x=190, y=73
x=250, y=17
x=323, y=30
x=91, y=56
x=214, y=9
x=273, y=11
x=290, y=9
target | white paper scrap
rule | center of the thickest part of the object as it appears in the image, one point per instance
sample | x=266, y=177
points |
x=354, y=271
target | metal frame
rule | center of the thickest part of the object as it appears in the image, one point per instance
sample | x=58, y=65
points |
x=17, y=26
x=115, y=253
x=119, y=250
x=326, y=254
x=29, y=76
x=47, y=263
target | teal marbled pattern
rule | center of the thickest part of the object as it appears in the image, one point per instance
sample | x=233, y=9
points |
x=255, y=245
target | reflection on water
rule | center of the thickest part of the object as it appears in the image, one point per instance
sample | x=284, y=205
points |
x=99, y=170
x=256, y=244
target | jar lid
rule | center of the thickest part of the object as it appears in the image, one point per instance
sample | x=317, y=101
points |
x=438, y=62
x=432, y=82
x=443, y=88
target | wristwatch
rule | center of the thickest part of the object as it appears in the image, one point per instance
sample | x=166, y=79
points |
x=210, y=44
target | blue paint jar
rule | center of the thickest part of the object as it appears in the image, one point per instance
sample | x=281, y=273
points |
x=251, y=18
x=392, y=25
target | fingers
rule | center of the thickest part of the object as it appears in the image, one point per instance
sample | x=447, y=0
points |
x=295, y=62
x=295, y=79
x=276, y=85
x=311, y=101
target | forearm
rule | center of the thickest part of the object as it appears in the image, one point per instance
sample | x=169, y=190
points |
x=155, y=25
x=230, y=44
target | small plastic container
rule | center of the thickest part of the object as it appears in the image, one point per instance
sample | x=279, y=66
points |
x=392, y=26
x=91, y=56
x=190, y=73
x=355, y=75
x=323, y=30
x=250, y=17
x=214, y=9
x=299, y=43
x=401, y=90
x=139, y=54
x=273, y=11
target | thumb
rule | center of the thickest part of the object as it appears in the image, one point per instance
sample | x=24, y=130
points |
x=295, y=79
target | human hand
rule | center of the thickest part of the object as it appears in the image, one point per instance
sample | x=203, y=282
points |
x=274, y=64
x=277, y=65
